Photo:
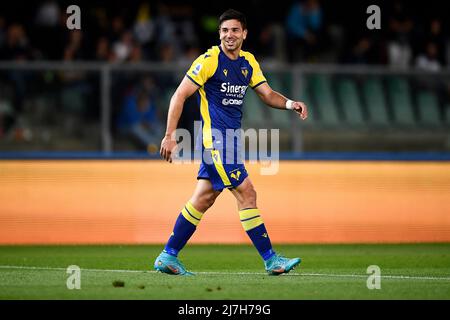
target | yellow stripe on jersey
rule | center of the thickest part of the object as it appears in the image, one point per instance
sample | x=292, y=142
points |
x=215, y=154
x=257, y=75
x=204, y=110
x=250, y=218
x=204, y=66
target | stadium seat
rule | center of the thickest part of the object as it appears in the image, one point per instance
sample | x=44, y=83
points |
x=280, y=119
x=253, y=112
x=164, y=101
x=400, y=99
x=325, y=102
x=350, y=102
x=375, y=100
x=447, y=115
x=312, y=111
x=72, y=100
x=302, y=94
x=428, y=105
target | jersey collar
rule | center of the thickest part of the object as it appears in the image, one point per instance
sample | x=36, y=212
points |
x=221, y=50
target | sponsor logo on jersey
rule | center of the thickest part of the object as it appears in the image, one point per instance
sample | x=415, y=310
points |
x=227, y=102
x=226, y=87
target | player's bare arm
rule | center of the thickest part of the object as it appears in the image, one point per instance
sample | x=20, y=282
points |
x=184, y=91
x=276, y=100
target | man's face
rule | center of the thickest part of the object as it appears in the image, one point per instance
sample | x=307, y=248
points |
x=232, y=35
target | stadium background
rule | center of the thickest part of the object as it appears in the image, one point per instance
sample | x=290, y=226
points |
x=371, y=164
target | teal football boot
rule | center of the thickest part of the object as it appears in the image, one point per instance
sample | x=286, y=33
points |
x=278, y=264
x=169, y=264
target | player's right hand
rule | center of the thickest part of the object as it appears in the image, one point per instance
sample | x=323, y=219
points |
x=168, y=146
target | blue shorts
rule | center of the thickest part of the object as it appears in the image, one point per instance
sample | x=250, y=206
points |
x=215, y=168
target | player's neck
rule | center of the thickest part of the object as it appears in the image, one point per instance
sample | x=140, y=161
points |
x=233, y=55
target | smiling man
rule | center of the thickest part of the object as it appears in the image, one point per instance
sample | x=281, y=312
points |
x=221, y=77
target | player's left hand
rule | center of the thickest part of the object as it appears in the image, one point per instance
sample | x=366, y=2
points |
x=168, y=147
x=301, y=109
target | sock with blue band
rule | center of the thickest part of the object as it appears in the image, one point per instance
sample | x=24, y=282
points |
x=184, y=228
x=254, y=226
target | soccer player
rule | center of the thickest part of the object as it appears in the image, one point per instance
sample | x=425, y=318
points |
x=221, y=77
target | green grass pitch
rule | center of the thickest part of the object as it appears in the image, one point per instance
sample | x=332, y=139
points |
x=408, y=271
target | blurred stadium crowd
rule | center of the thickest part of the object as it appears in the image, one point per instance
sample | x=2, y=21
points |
x=312, y=31
x=60, y=109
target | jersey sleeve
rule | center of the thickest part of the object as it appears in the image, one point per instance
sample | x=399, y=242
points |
x=257, y=75
x=202, y=69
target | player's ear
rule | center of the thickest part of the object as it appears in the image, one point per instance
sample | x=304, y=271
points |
x=244, y=34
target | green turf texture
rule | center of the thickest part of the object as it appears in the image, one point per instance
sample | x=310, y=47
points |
x=227, y=272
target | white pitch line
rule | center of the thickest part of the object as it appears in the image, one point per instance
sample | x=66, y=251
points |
x=238, y=273
x=382, y=276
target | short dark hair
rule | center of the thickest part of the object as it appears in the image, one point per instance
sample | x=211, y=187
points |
x=232, y=14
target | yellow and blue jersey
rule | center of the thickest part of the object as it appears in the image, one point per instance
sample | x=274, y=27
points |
x=222, y=84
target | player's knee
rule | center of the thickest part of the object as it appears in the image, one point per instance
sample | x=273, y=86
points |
x=249, y=198
x=209, y=200
x=204, y=202
x=252, y=194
